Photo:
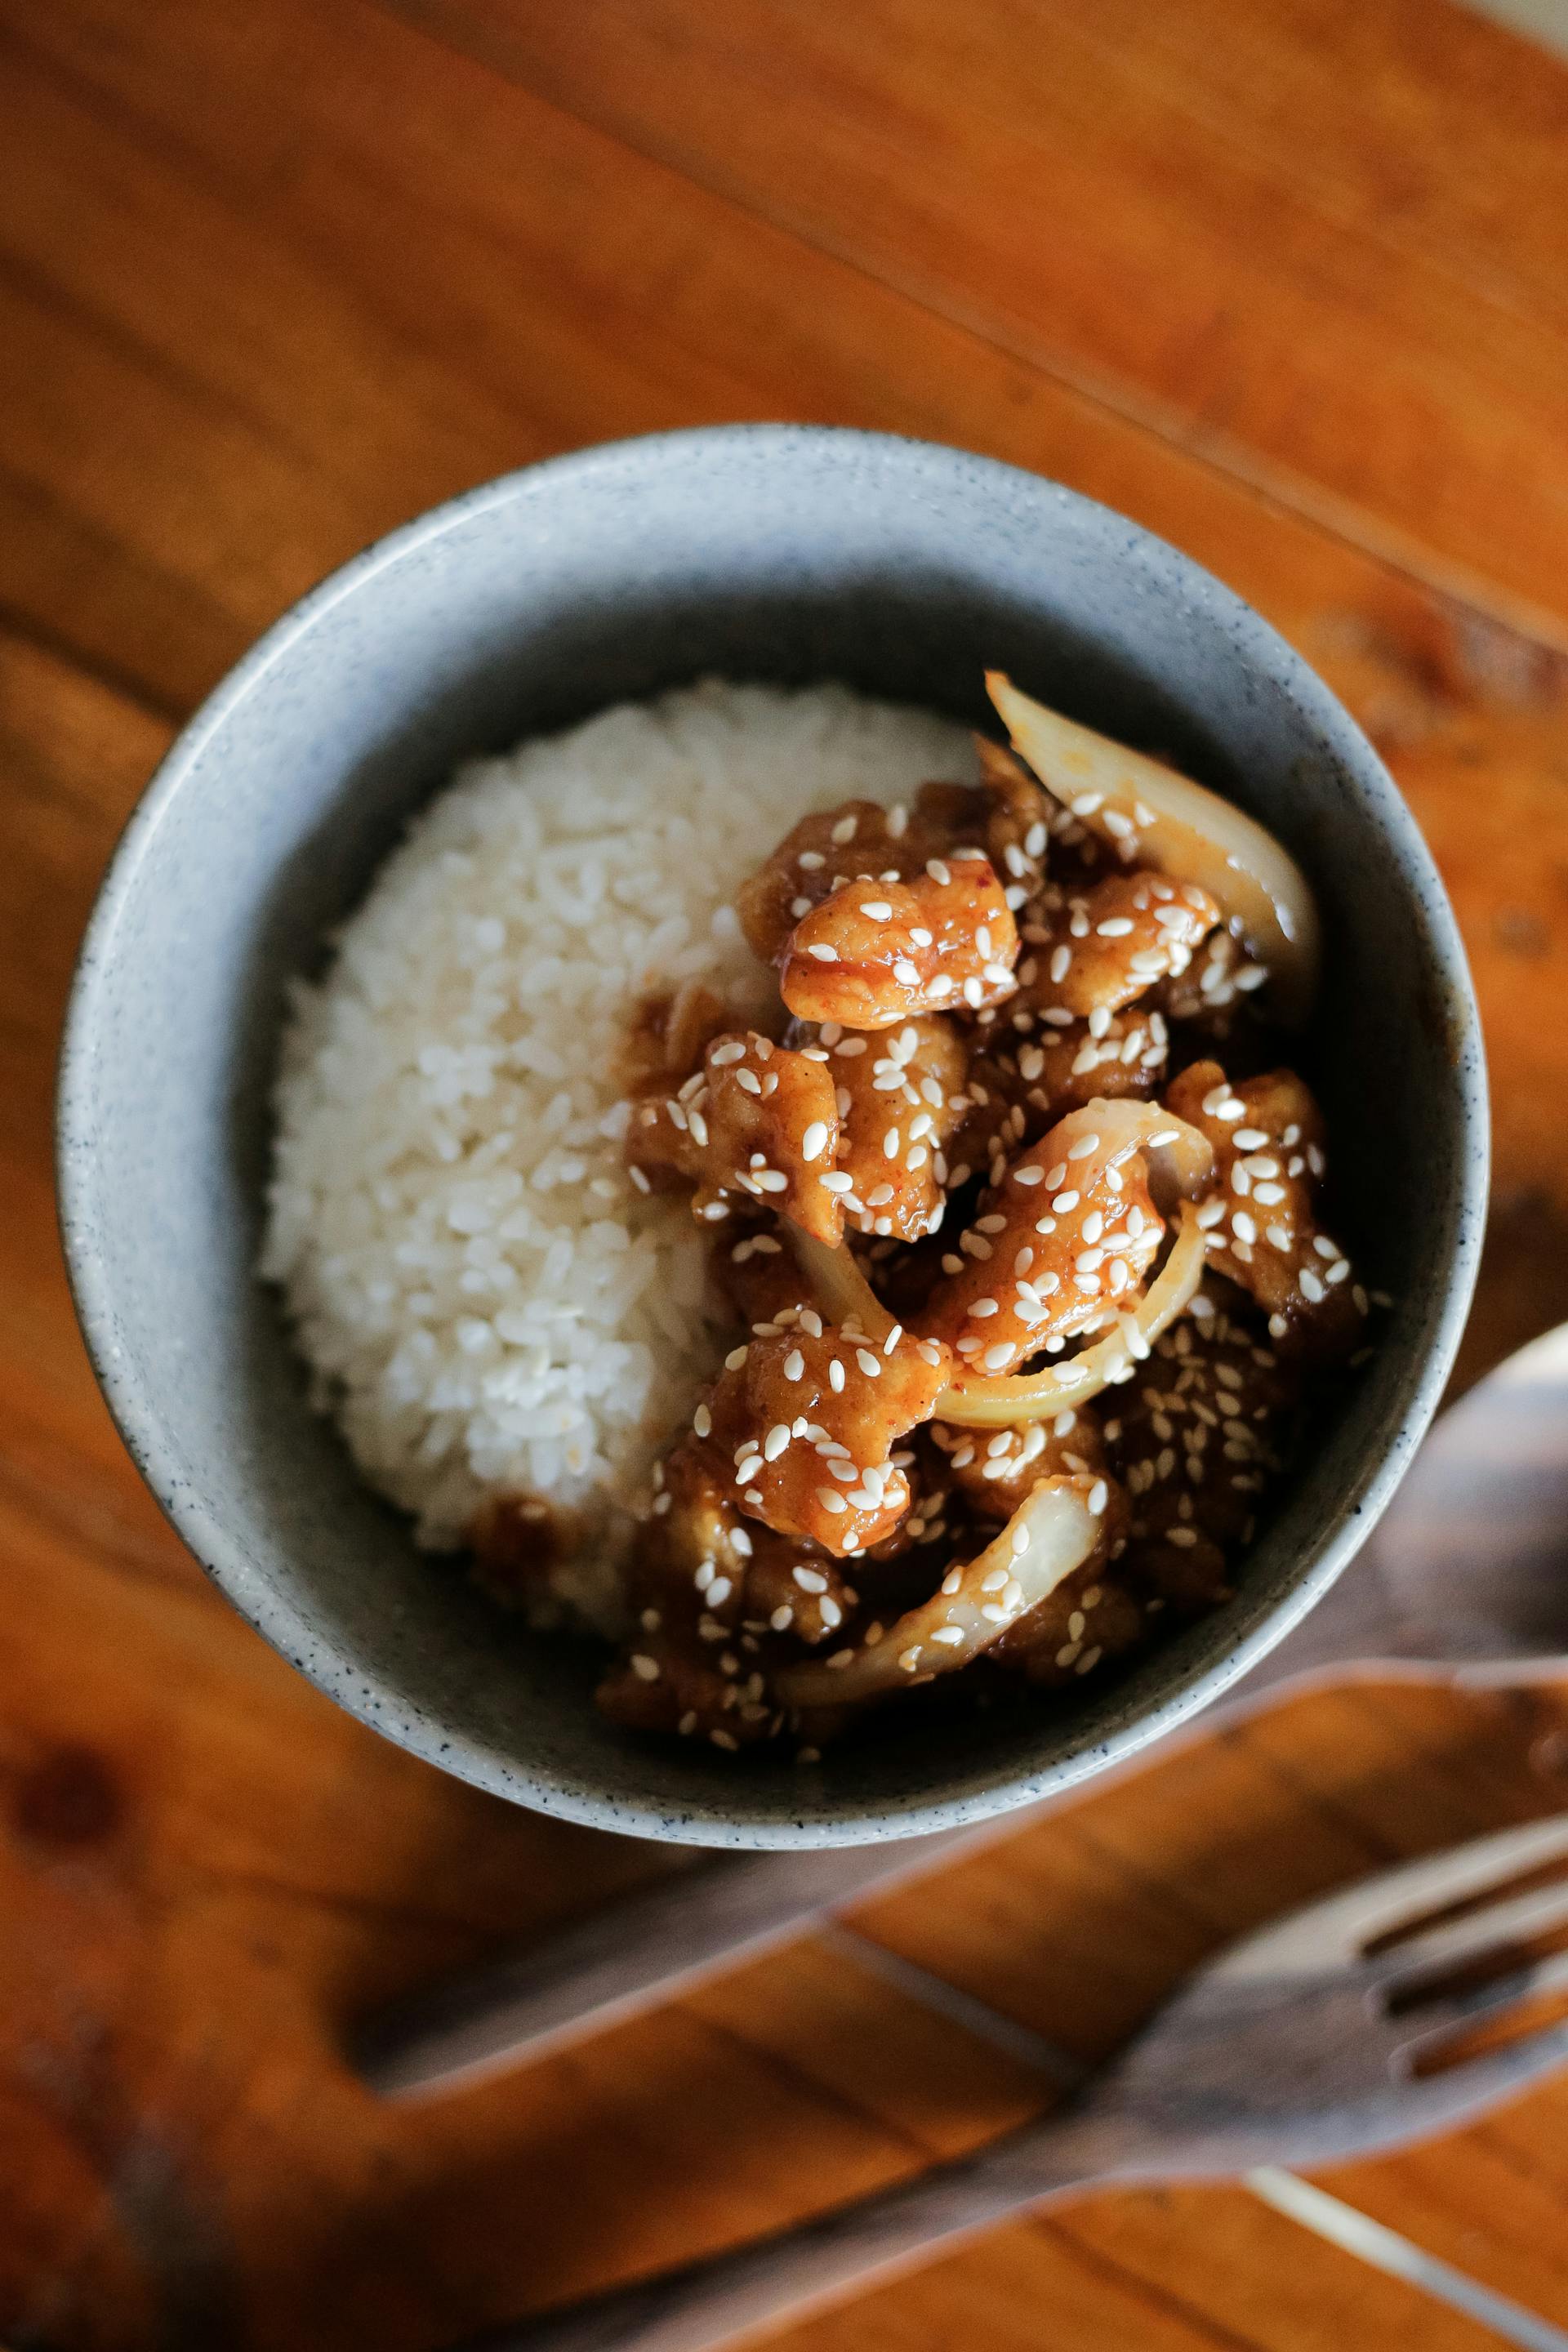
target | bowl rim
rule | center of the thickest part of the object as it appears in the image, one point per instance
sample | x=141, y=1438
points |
x=373, y=1698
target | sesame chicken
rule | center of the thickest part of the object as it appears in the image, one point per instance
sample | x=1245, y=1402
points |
x=1017, y=823
x=993, y=1469
x=900, y=1096
x=1090, y=1618
x=757, y=1121
x=877, y=952
x=1216, y=988
x=980, y=1002
x=858, y=840
x=1261, y=1217
x=1108, y=943
x=1024, y=1079
x=804, y=1422
x=1195, y=1441
x=1071, y=1231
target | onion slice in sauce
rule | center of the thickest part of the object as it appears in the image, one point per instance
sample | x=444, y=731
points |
x=1180, y=1156
x=1149, y=813
x=1052, y=1532
x=838, y=1285
x=1004, y=1402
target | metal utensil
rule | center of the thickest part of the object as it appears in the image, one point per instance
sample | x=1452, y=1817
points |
x=1464, y=1584
x=1337, y=2031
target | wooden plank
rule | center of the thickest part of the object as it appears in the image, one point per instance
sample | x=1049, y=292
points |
x=1070, y=183
x=270, y=280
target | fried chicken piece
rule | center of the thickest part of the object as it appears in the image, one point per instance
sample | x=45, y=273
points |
x=664, y=1687
x=1024, y=1079
x=1261, y=1216
x=802, y=1423
x=757, y=1269
x=858, y=840
x=1195, y=1442
x=1017, y=822
x=899, y=1098
x=1108, y=943
x=1218, y=985
x=995, y=1469
x=758, y=1121
x=1090, y=1618
x=1066, y=1240
x=875, y=952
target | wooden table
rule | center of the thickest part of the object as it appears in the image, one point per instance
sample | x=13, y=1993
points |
x=1289, y=283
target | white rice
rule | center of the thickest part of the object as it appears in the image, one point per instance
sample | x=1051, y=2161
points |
x=488, y=1304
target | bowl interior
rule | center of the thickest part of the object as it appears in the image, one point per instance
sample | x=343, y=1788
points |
x=758, y=553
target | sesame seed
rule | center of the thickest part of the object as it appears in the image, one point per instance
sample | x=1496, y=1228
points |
x=880, y=909
x=1117, y=825
x=835, y=1181
x=995, y=1356
x=645, y=1669
x=815, y=1141
x=823, y=953
x=1115, y=927
x=1311, y=1288
x=794, y=1367
x=939, y=872
x=1065, y=1202
x=835, y=1377
x=870, y=1364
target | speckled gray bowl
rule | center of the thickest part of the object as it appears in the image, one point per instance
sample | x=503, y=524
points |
x=757, y=552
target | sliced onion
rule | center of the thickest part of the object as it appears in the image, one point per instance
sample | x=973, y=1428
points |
x=1195, y=836
x=838, y=1286
x=1052, y=1532
x=1179, y=1157
x=1004, y=1401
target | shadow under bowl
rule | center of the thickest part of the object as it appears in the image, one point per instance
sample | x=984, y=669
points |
x=781, y=553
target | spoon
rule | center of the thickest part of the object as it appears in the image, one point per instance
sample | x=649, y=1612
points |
x=1465, y=1582
x=1370, y=2019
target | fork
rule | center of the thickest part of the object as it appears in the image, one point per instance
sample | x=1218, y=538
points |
x=1335, y=2033
x=1463, y=1582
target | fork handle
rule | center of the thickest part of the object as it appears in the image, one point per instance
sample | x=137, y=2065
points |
x=797, y=2271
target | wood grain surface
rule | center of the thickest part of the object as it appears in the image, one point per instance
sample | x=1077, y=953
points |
x=1288, y=284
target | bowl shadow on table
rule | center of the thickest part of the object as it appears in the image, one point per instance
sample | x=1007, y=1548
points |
x=802, y=2078
x=929, y=642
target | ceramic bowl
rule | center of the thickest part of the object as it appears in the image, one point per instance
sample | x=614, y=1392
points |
x=777, y=553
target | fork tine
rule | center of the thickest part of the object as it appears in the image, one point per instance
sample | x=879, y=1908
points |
x=1464, y=2090
x=1478, y=1932
x=1472, y=2004
x=1334, y=1933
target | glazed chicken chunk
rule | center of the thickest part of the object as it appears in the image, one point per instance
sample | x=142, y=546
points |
x=900, y=1096
x=1195, y=1440
x=1072, y=1232
x=804, y=1422
x=1110, y=942
x=995, y=1469
x=755, y=1121
x=1261, y=1218
x=875, y=952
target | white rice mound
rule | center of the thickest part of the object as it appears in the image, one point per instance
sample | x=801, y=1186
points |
x=488, y=1305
